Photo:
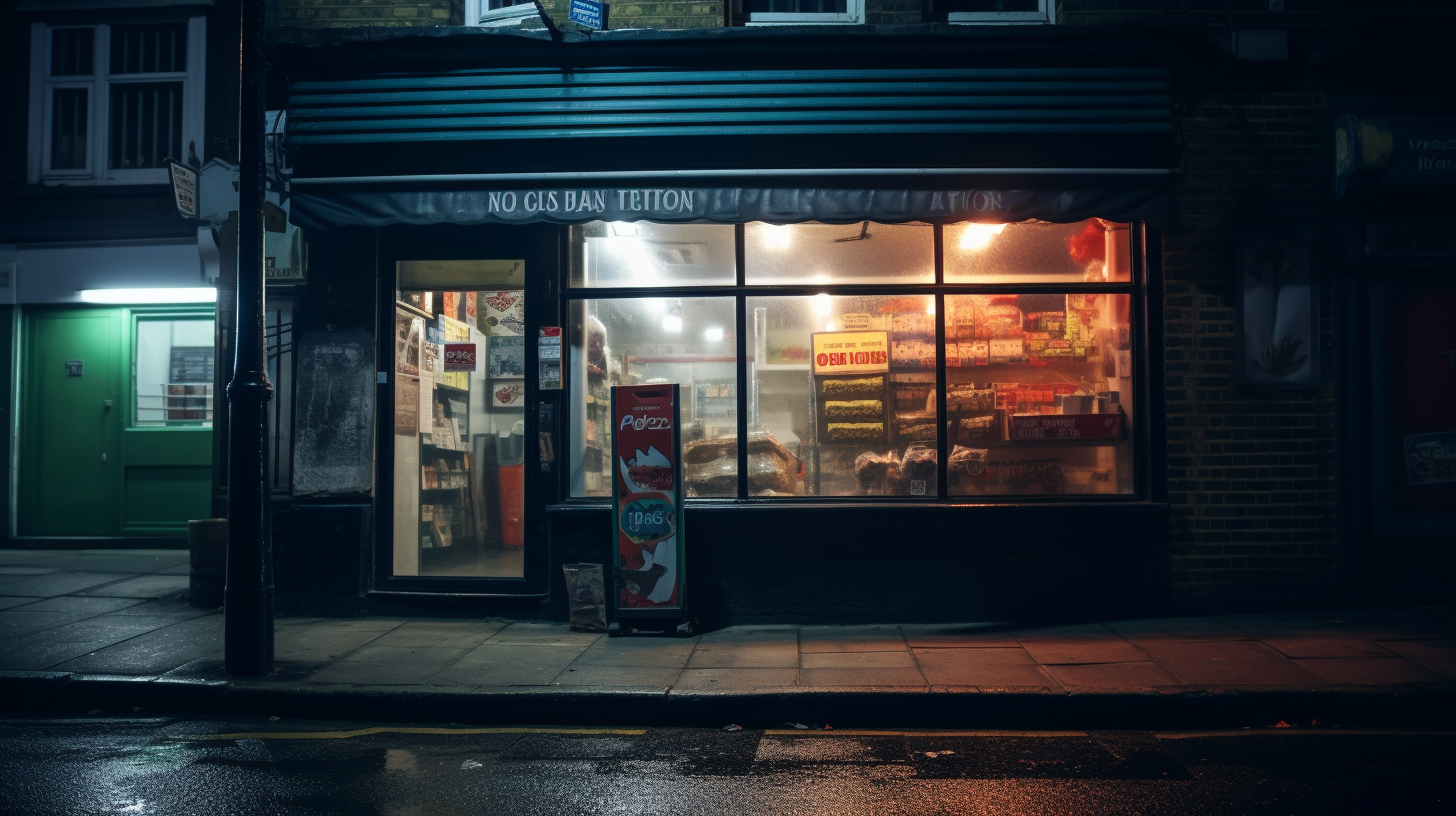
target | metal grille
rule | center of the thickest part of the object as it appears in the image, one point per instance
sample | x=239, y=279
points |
x=279, y=336
x=69, y=125
x=146, y=123
x=157, y=48
x=72, y=51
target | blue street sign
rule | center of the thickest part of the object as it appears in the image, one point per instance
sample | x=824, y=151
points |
x=590, y=13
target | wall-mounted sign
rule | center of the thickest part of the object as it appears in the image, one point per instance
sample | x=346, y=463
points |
x=548, y=358
x=73, y=367
x=460, y=357
x=184, y=188
x=1430, y=458
x=589, y=13
x=863, y=352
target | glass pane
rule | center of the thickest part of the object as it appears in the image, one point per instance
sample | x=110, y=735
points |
x=796, y=6
x=1036, y=252
x=173, y=374
x=625, y=341
x=619, y=254
x=817, y=254
x=460, y=430
x=152, y=48
x=73, y=51
x=69, y=127
x=146, y=124
x=847, y=385
x=1038, y=394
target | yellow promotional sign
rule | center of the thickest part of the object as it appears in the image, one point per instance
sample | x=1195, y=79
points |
x=859, y=352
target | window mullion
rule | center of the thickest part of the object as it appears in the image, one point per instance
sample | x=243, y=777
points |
x=101, y=104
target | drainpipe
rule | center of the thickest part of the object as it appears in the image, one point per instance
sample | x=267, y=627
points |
x=248, y=596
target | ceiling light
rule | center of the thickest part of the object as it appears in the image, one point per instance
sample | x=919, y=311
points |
x=977, y=236
x=776, y=236
x=713, y=334
x=623, y=229
x=672, y=323
x=823, y=305
x=193, y=294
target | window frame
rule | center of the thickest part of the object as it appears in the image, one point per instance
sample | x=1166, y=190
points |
x=98, y=85
x=854, y=14
x=1046, y=14
x=478, y=14
x=1140, y=325
x=137, y=317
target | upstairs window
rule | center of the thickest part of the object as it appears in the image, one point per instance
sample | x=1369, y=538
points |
x=998, y=12
x=498, y=13
x=803, y=12
x=110, y=103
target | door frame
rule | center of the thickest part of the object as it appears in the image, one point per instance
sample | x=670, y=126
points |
x=539, y=246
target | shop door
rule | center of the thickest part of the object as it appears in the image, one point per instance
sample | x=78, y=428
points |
x=460, y=420
x=70, y=434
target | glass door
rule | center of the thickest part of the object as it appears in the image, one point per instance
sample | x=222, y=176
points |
x=459, y=419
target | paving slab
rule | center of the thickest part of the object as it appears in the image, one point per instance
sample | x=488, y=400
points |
x=322, y=639
x=1229, y=663
x=1091, y=648
x=1175, y=629
x=1395, y=624
x=171, y=608
x=850, y=639
x=862, y=677
x=757, y=633
x=1386, y=671
x=737, y=680
x=389, y=665
x=53, y=646
x=158, y=651
x=448, y=634
x=857, y=660
x=777, y=654
x=23, y=571
x=10, y=602
x=58, y=583
x=1113, y=676
x=926, y=636
x=142, y=586
x=86, y=607
x=653, y=652
x=543, y=634
x=1286, y=625
x=17, y=624
x=657, y=677
x=98, y=560
x=1326, y=647
x=1437, y=655
x=982, y=667
x=495, y=664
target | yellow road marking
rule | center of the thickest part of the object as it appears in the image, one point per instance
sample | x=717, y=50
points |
x=364, y=732
x=849, y=732
x=1318, y=731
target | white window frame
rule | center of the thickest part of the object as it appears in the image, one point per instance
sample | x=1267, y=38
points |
x=853, y=15
x=479, y=13
x=1046, y=14
x=98, y=85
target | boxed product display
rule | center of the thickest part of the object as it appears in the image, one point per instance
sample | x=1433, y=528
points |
x=1066, y=426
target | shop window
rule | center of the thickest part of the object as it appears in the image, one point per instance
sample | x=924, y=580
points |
x=688, y=340
x=172, y=372
x=1038, y=394
x=847, y=385
x=869, y=371
x=637, y=253
x=997, y=12
x=1092, y=251
x=110, y=103
x=494, y=13
x=823, y=254
x=804, y=12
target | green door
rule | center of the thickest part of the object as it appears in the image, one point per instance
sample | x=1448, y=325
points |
x=116, y=430
x=70, y=427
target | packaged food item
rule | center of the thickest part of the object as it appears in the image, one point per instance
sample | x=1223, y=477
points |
x=917, y=425
x=710, y=466
x=854, y=408
x=912, y=354
x=965, y=461
x=878, y=474
x=854, y=431
x=912, y=325
x=919, y=464
x=856, y=387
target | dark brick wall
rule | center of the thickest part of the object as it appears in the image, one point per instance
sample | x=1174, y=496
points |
x=351, y=13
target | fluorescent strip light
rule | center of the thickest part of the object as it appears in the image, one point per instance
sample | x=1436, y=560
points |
x=194, y=294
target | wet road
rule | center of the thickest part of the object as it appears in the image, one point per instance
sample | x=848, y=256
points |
x=255, y=766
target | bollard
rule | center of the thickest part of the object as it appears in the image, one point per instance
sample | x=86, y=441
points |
x=207, y=541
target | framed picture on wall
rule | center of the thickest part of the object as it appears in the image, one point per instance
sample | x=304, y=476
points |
x=1276, y=312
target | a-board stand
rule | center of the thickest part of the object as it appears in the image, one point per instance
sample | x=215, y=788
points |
x=649, y=593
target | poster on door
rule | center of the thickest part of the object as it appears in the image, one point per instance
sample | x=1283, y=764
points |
x=647, y=497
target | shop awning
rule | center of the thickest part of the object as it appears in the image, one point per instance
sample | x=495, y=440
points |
x=891, y=133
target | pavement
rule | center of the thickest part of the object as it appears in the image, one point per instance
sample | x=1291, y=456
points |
x=110, y=630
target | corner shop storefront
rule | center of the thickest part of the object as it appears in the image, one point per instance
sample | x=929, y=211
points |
x=996, y=458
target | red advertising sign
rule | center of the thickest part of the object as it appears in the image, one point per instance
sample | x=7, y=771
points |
x=647, y=497
x=459, y=356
